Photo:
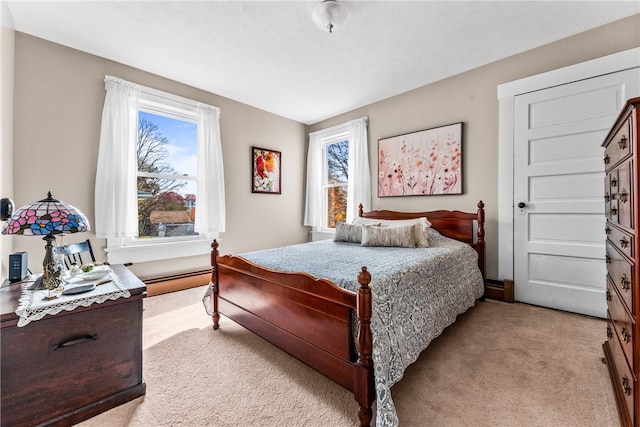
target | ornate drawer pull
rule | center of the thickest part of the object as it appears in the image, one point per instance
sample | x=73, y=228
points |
x=623, y=196
x=609, y=333
x=607, y=259
x=607, y=231
x=607, y=160
x=622, y=144
x=626, y=336
x=624, y=242
x=614, y=182
x=607, y=198
x=624, y=282
x=625, y=386
x=608, y=293
x=614, y=211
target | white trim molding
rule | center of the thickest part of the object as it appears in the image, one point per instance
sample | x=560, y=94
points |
x=507, y=92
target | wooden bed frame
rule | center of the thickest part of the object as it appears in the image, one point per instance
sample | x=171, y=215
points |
x=310, y=318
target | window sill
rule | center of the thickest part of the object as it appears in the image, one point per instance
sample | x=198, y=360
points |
x=322, y=235
x=140, y=252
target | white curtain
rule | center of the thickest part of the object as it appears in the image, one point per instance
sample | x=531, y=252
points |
x=210, y=206
x=115, y=189
x=359, y=186
x=313, y=204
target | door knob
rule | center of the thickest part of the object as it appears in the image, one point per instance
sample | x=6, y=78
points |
x=521, y=205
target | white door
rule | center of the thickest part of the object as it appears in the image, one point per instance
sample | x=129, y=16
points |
x=558, y=191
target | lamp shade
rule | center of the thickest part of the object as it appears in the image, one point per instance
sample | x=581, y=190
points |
x=329, y=14
x=46, y=217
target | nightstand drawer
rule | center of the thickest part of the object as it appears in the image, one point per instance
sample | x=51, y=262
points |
x=70, y=360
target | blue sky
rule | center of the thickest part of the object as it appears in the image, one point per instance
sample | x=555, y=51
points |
x=182, y=137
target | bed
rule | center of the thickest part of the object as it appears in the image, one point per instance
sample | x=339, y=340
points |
x=361, y=321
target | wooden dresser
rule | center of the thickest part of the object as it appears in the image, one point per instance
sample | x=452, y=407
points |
x=71, y=366
x=622, y=348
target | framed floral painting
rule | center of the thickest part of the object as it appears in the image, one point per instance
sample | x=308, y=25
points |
x=421, y=163
x=265, y=170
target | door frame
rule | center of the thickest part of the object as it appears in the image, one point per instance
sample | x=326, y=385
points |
x=507, y=92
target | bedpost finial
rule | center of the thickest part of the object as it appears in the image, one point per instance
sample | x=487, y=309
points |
x=360, y=210
x=480, y=232
x=364, y=277
x=480, y=217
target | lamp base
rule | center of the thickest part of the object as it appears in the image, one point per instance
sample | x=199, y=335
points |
x=50, y=278
x=38, y=285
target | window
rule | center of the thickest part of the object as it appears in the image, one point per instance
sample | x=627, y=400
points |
x=335, y=186
x=151, y=206
x=166, y=154
x=338, y=176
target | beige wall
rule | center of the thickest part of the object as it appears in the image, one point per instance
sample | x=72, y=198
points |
x=471, y=98
x=6, y=125
x=59, y=95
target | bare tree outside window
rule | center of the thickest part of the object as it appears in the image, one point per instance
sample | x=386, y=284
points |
x=166, y=196
x=337, y=181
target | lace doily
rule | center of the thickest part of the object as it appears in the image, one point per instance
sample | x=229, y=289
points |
x=34, y=306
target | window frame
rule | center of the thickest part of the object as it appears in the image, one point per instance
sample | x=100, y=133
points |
x=334, y=136
x=125, y=250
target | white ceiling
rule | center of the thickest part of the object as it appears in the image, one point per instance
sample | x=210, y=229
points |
x=269, y=54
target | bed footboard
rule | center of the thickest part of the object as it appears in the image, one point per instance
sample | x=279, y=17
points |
x=310, y=318
x=307, y=317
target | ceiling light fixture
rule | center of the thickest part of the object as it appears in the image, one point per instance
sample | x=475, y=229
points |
x=329, y=14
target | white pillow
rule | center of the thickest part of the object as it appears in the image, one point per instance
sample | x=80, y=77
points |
x=404, y=236
x=422, y=231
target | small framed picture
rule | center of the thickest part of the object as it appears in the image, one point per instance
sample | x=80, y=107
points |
x=265, y=170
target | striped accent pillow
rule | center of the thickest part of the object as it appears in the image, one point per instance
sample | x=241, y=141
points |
x=404, y=237
x=421, y=232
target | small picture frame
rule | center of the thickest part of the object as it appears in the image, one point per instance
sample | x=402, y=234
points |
x=422, y=163
x=265, y=171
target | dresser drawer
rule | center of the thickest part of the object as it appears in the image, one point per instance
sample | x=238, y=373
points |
x=70, y=361
x=613, y=211
x=625, y=381
x=608, y=191
x=623, y=323
x=618, y=147
x=621, y=274
x=621, y=240
x=624, y=195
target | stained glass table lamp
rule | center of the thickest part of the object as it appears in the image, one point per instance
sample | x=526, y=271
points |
x=47, y=218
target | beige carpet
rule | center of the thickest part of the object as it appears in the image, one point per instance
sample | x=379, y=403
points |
x=499, y=365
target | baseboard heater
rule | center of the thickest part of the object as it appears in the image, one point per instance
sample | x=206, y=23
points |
x=176, y=282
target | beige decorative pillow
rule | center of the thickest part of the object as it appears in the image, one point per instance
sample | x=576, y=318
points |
x=389, y=236
x=348, y=233
x=421, y=232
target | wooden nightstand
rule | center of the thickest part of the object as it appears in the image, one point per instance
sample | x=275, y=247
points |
x=71, y=366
